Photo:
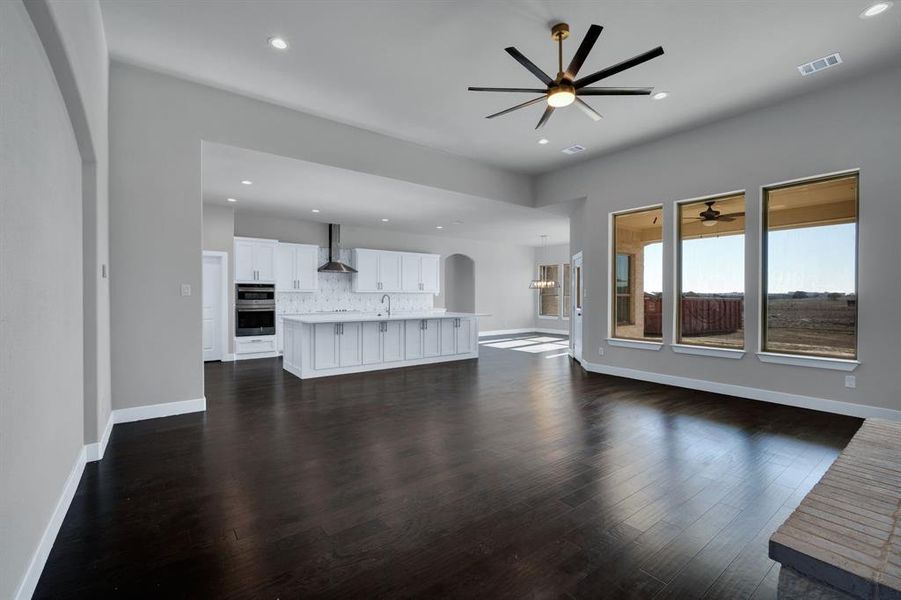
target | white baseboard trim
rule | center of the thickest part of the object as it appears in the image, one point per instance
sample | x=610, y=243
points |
x=39, y=558
x=523, y=330
x=153, y=411
x=96, y=450
x=228, y=357
x=821, y=404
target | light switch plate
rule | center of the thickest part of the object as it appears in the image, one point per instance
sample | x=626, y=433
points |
x=851, y=381
x=186, y=289
x=601, y=351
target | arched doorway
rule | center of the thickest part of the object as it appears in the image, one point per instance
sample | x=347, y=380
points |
x=459, y=283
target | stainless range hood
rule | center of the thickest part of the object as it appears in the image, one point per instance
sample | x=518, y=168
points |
x=334, y=247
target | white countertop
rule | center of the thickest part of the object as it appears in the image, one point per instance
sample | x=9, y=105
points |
x=355, y=317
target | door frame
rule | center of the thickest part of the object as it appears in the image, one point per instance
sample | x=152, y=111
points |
x=574, y=295
x=223, y=261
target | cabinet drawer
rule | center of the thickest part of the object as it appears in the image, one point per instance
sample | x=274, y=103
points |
x=255, y=345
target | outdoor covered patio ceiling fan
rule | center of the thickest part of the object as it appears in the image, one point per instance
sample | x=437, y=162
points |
x=565, y=89
x=710, y=217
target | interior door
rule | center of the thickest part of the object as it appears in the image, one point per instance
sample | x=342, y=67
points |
x=577, y=280
x=213, y=310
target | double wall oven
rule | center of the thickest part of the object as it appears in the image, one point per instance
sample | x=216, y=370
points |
x=254, y=309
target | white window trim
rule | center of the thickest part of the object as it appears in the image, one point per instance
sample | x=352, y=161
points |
x=816, y=362
x=801, y=360
x=734, y=353
x=611, y=289
x=635, y=344
x=560, y=286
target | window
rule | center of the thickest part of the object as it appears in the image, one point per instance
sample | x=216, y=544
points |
x=810, y=268
x=549, y=298
x=710, y=282
x=567, y=291
x=637, y=286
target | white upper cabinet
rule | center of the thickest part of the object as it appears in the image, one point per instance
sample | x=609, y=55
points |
x=254, y=260
x=366, y=262
x=296, y=268
x=429, y=275
x=382, y=271
x=411, y=265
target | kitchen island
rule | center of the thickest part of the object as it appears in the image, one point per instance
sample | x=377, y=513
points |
x=319, y=345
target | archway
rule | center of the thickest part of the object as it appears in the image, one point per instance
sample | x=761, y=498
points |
x=459, y=283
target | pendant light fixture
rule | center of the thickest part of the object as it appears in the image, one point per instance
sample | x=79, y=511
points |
x=542, y=283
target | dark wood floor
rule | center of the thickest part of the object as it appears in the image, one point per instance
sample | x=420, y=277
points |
x=514, y=476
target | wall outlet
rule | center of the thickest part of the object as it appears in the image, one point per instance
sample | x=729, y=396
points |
x=851, y=381
x=186, y=289
x=601, y=351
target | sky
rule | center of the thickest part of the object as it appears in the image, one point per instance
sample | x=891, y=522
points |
x=812, y=259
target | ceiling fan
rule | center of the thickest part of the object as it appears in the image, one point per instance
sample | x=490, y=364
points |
x=565, y=89
x=710, y=217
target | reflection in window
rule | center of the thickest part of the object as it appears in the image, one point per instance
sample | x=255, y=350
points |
x=711, y=280
x=567, y=291
x=549, y=297
x=810, y=268
x=638, y=275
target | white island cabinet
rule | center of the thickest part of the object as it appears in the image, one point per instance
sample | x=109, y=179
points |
x=322, y=345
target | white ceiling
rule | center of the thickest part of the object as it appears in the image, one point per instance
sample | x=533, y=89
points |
x=402, y=68
x=286, y=187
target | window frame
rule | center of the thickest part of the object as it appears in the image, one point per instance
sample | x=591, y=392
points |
x=611, y=277
x=797, y=359
x=561, y=293
x=617, y=295
x=677, y=282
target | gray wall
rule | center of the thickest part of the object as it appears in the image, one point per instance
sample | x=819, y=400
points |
x=552, y=255
x=502, y=271
x=157, y=124
x=849, y=126
x=41, y=378
x=460, y=283
x=219, y=235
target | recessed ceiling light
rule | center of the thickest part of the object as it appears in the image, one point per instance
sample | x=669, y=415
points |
x=231, y=199
x=385, y=220
x=439, y=226
x=278, y=43
x=247, y=182
x=660, y=95
x=315, y=210
x=876, y=9
x=543, y=141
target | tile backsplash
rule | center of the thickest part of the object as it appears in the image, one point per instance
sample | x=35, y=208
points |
x=335, y=293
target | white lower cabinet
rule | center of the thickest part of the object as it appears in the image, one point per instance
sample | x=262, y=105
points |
x=259, y=344
x=321, y=349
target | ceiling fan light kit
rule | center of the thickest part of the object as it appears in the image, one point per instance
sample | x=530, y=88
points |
x=565, y=89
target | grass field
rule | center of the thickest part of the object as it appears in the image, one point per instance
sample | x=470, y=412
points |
x=812, y=326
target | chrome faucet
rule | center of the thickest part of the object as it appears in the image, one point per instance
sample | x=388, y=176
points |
x=389, y=302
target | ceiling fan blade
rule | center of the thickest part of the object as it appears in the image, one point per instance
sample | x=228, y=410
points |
x=517, y=107
x=592, y=113
x=529, y=65
x=725, y=219
x=547, y=115
x=493, y=89
x=612, y=91
x=617, y=68
x=582, y=53
x=738, y=214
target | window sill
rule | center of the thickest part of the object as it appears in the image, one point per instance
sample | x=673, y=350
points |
x=708, y=351
x=635, y=344
x=816, y=362
x=549, y=317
